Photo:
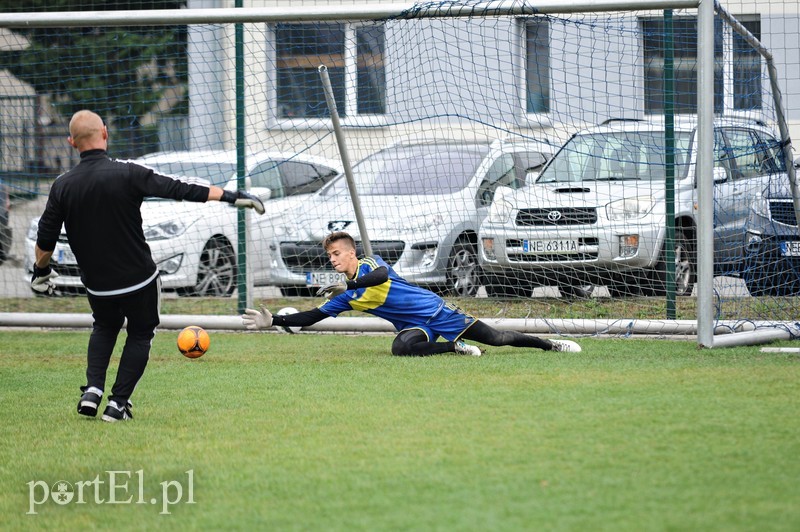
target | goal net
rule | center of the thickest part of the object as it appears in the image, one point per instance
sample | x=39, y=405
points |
x=522, y=159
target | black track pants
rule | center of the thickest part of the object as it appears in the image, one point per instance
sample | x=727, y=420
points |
x=141, y=308
x=414, y=342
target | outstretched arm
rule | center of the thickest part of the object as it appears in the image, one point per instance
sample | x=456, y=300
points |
x=254, y=319
x=373, y=278
x=237, y=198
x=300, y=319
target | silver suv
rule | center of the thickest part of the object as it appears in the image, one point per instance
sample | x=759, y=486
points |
x=423, y=203
x=596, y=214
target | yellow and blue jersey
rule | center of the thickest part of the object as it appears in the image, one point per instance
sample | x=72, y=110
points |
x=403, y=304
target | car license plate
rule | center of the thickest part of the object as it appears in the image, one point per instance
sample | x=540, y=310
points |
x=550, y=246
x=790, y=249
x=64, y=255
x=324, y=278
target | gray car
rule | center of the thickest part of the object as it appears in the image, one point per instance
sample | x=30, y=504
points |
x=597, y=212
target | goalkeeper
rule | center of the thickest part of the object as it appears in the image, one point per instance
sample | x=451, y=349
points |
x=419, y=315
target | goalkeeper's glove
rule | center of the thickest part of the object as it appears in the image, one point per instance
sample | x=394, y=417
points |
x=242, y=199
x=41, y=280
x=254, y=320
x=332, y=290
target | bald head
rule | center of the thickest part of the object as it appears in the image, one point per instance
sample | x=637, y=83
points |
x=87, y=131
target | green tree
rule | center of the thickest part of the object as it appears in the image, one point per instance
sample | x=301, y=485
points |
x=118, y=72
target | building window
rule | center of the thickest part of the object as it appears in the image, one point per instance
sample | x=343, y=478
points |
x=737, y=67
x=371, y=75
x=746, y=66
x=348, y=51
x=537, y=65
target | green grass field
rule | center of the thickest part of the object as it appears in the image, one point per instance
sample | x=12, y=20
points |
x=325, y=432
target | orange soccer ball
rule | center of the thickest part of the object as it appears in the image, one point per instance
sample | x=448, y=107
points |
x=193, y=341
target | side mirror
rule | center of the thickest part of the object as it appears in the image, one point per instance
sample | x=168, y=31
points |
x=720, y=174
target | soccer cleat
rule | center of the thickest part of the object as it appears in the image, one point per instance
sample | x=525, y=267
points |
x=566, y=346
x=114, y=412
x=463, y=348
x=90, y=401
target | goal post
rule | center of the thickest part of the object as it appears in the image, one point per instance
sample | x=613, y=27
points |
x=496, y=83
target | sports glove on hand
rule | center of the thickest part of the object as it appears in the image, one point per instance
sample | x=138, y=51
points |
x=332, y=290
x=255, y=320
x=40, y=280
x=243, y=200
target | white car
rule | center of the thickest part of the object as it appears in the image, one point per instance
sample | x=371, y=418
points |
x=194, y=244
x=597, y=213
x=422, y=202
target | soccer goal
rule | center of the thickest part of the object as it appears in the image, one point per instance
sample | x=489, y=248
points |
x=600, y=167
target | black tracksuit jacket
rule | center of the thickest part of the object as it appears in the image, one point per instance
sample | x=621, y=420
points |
x=99, y=201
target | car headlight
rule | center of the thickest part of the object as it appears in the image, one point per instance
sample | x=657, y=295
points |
x=630, y=208
x=164, y=230
x=760, y=207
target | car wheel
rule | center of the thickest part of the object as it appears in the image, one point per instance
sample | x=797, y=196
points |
x=505, y=287
x=463, y=272
x=216, y=275
x=298, y=291
x=571, y=291
x=623, y=285
x=685, y=275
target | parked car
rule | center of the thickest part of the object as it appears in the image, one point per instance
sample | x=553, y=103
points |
x=597, y=212
x=5, y=227
x=194, y=244
x=772, y=243
x=422, y=202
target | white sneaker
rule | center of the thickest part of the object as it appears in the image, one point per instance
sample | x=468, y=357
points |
x=567, y=346
x=463, y=348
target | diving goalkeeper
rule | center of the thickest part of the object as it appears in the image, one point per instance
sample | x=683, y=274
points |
x=419, y=315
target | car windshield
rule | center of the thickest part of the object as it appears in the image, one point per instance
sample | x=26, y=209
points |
x=616, y=157
x=424, y=169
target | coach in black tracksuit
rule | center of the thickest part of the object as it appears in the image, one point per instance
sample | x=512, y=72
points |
x=99, y=203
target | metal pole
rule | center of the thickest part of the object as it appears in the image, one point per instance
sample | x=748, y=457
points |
x=348, y=170
x=669, y=159
x=704, y=173
x=245, y=298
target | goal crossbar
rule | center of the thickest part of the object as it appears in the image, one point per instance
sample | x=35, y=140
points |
x=157, y=17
